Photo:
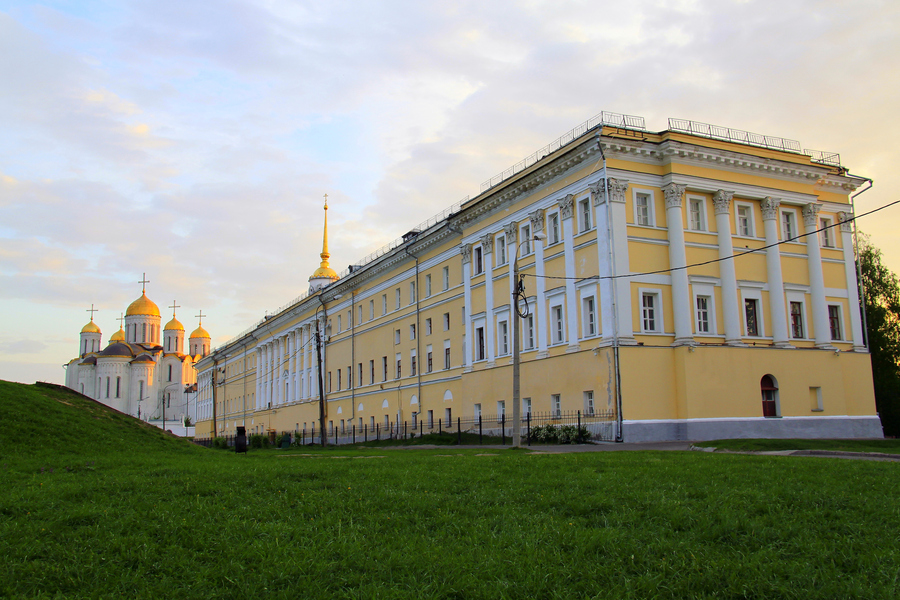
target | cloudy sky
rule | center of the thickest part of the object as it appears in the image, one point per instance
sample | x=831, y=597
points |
x=193, y=141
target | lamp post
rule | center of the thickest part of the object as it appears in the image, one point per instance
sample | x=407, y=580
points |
x=319, y=348
x=518, y=289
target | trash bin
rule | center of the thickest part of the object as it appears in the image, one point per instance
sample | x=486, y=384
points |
x=240, y=440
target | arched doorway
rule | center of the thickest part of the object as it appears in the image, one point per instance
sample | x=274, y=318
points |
x=769, y=388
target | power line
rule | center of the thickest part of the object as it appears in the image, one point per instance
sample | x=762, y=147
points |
x=714, y=260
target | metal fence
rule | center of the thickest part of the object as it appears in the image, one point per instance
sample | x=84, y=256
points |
x=571, y=426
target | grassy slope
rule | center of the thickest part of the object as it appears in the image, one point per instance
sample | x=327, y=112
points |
x=170, y=521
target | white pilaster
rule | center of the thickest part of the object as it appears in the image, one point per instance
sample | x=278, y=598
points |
x=769, y=207
x=466, y=251
x=512, y=251
x=487, y=249
x=537, y=225
x=612, y=249
x=681, y=303
x=730, y=310
x=816, y=279
x=852, y=283
x=566, y=212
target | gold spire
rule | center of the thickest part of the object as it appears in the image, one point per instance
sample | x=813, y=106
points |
x=324, y=271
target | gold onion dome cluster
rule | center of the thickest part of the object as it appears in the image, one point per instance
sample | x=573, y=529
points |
x=90, y=328
x=200, y=333
x=142, y=306
x=118, y=336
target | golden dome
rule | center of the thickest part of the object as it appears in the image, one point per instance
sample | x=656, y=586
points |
x=174, y=324
x=142, y=306
x=118, y=336
x=90, y=328
x=200, y=333
x=324, y=271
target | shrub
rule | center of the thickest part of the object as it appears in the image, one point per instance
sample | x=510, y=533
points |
x=258, y=441
x=220, y=443
x=562, y=434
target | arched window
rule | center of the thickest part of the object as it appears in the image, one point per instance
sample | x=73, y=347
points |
x=769, y=388
x=118, y=386
x=170, y=372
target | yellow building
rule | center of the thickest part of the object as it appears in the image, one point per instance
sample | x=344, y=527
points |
x=637, y=311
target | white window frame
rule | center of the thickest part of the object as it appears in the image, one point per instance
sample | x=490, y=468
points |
x=827, y=236
x=396, y=336
x=528, y=334
x=445, y=274
x=800, y=298
x=585, y=214
x=501, y=409
x=753, y=294
x=501, y=253
x=428, y=326
x=412, y=292
x=383, y=304
x=479, y=326
x=398, y=295
x=503, y=342
x=589, y=407
x=428, y=285
x=651, y=206
x=705, y=291
x=840, y=308
x=556, y=405
x=703, y=225
x=554, y=236
x=558, y=323
x=659, y=325
x=412, y=331
x=371, y=310
x=525, y=235
x=477, y=260
x=589, y=316
x=751, y=221
x=792, y=214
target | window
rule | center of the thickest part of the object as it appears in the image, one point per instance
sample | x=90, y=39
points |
x=643, y=209
x=529, y=332
x=428, y=326
x=339, y=323
x=359, y=318
x=479, y=343
x=383, y=304
x=371, y=371
x=650, y=322
x=399, y=359
x=589, y=403
x=556, y=405
x=589, y=317
x=559, y=334
x=339, y=379
x=797, y=320
x=107, y=387
x=751, y=311
x=428, y=286
x=118, y=386
x=350, y=318
x=412, y=331
x=371, y=310
x=788, y=225
x=397, y=294
x=359, y=372
x=412, y=363
x=477, y=260
x=827, y=236
x=503, y=337
x=553, y=228
x=526, y=406
x=446, y=354
x=769, y=389
x=384, y=368
x=526, y=239
x=170, y=372
x=412, y=292
x=584, y=213
x=815, y=399
x=429, y=364
x=446, y=321
x=697, y=216
x=501, y=250
x=329, y=381
x=744, y=220
x=477, y=410
x=834, y=322
x=703, y=303
x=396, y=336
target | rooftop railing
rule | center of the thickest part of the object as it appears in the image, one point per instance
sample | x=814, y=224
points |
x=727, y=134
x=604, y=118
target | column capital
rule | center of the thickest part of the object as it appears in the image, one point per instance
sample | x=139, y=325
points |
x=512, y=232
x=487, y=243
x=846, y=221
x=811, y=214
x=722, y=202
x=674, y=194
x=537, y=221
x=565, y=206
x=466, y=251
x=617, y=189
x=769, y=207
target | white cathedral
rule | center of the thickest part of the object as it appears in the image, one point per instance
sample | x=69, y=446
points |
x=141, y=373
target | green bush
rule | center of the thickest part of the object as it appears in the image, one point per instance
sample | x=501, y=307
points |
x=259, y=441
x=561, y=434
x=220, y=443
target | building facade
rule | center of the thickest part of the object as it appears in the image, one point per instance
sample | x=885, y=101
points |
x=694, y=283
x=143, y=371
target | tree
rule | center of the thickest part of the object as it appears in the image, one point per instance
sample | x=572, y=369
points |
x=882, y=310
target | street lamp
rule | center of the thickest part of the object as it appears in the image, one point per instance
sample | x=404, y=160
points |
x=319, y=348
x=518, y=290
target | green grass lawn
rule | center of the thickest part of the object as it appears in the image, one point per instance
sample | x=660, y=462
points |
x=890, y=446
x=127, y=512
